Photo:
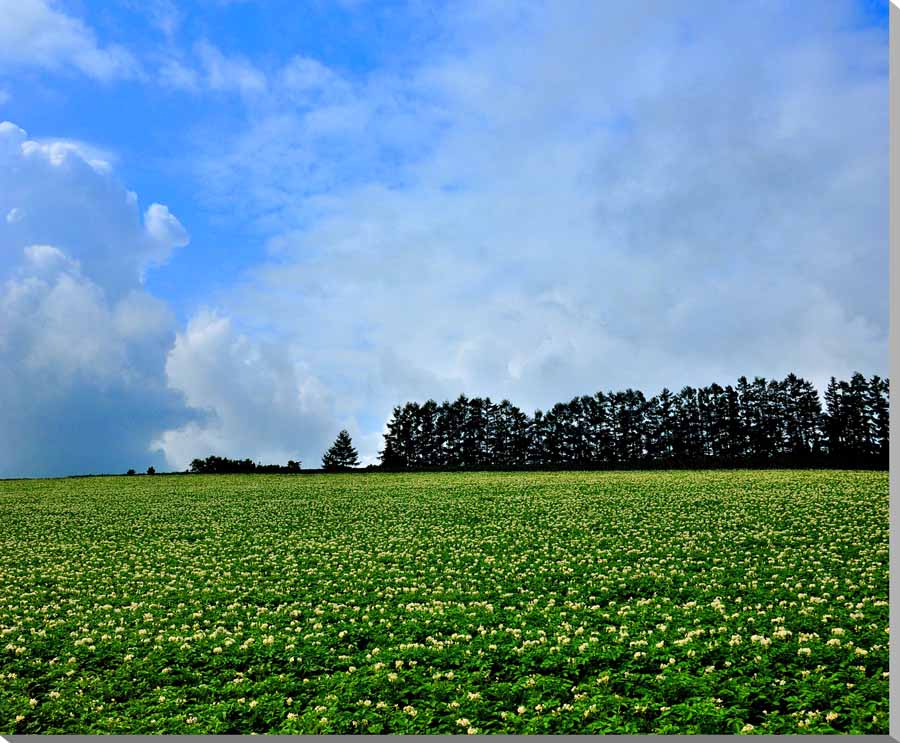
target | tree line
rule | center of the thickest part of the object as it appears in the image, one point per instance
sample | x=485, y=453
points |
x=752, y=423
x=223, y=465
x=341, y=456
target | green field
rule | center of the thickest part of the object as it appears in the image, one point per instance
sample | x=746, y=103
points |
x=711, y=602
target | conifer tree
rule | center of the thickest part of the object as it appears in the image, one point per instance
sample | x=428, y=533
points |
x=341, y=455
x=879, y=404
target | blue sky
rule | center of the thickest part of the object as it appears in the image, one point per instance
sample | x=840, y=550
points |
x=236, y=227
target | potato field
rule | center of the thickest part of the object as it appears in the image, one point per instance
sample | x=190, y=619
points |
x=560, y=602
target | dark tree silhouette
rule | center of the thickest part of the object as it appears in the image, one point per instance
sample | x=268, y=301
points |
x=427, y=432
x=392, y=456
x=537, y=435
x=151, y=470
x=214, y=465
x=835, y=418
x=758, y=423
x=341, y=455
x=860, y=423
x=879, y=406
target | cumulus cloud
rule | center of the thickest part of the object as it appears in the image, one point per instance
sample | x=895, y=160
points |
x=36, y=33
x=83, y=346
x=95, y=376
x=261, y=403
x=83, y=384
x=47, y=261
x=56, y=151
x=498, y=221
x=65, y=194
x=165, y=232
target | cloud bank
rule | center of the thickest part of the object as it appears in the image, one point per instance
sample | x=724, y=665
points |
x=567, y=197
x=94, y=375
x=82, y=346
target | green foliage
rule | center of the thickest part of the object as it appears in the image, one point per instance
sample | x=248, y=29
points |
x=667, y=602
x=760, y=423
x=215, y=465
x=341, y=455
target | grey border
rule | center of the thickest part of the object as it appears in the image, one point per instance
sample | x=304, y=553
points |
x=894, y=609
x=894, y=277
x=293, y=738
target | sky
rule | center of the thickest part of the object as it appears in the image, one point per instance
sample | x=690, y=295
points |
x=236, y=227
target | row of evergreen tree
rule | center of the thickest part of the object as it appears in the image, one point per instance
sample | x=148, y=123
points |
x=753, y=423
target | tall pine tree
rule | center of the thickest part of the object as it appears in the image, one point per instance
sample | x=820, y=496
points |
x=341, y=455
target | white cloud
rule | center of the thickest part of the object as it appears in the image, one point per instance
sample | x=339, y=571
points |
x=83, y=385
x=210, y=69
x=165, y=231
x=261, y=403
x=45, y=260
x=83, y=347
x=57, y=150
x=227, y=73
x=64, y=193
x=176, y=74
x=165, y=15
x=34, y=33
x=306, y=78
